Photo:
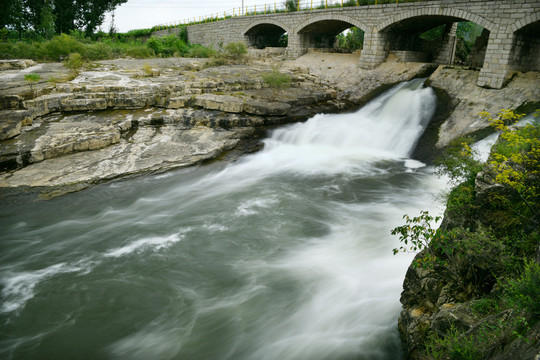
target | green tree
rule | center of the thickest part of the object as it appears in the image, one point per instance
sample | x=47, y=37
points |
x=66, y=15
x=292, y=5
x=352, y=40
x=14, y=16
x=46, y=27
x=82, y=15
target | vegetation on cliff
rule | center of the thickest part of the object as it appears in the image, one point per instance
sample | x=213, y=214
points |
x=485, y=282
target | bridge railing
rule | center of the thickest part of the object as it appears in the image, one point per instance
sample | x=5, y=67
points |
x=276, y=7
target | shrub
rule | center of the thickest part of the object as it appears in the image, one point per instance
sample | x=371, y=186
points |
x=61, y=46
x=155, y=44
x=32, y=79
x=7, y=50
x=24, y=50
x=524, y=292
x=140, y=52
x=199, y=51
x=182, y=34
x=276, y=81
x=97, y=51
x=235, y=51
x=516, y=164
x=168, y=45
x=75, y=63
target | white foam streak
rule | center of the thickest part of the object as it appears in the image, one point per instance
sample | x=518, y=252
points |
x=18, y=287
x=155, y=243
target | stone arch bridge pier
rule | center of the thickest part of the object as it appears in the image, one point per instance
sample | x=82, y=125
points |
x=510, y=39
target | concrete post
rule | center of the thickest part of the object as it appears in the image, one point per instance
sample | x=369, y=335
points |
x=497, y=61
x=295, y=46
x=374, y=51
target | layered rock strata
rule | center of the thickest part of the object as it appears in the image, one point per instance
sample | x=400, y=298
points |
x=121, y=119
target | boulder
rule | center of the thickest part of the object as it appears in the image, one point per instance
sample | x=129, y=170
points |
x=11, y=122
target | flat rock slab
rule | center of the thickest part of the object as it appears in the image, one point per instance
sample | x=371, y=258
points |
x=150, y=149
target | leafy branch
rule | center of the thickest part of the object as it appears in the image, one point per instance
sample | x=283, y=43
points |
x=516, y=161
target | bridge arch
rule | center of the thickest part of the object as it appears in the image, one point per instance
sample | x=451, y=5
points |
x=521, y=23
x=321, y=31
x=403, y=31
x=455, y=14
x=265, y=33
x=525, y=48
x=330, y=17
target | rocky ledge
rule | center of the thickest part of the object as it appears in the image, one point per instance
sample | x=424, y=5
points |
x=124, y=117
x=129, y=117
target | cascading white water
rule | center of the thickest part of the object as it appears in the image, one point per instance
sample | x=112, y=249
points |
x=285, y=254
x=482, y=148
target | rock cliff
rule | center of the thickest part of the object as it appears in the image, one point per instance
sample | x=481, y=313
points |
x=459, y=304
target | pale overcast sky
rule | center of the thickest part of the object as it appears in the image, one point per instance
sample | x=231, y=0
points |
x=142, y=14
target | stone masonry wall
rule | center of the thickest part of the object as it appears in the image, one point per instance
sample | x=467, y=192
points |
x=502, y=18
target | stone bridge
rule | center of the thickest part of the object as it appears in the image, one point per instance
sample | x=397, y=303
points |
x=510, y=40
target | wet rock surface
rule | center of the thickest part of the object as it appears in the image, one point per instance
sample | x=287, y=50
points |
x=119, y=119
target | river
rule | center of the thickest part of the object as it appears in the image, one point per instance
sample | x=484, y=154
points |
x=283, y=254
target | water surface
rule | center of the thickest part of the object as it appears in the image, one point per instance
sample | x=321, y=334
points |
x=285, y=254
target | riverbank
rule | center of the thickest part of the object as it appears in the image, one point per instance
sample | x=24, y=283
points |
x=125, y=117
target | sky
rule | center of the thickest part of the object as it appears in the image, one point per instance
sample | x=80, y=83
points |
x=142, y=14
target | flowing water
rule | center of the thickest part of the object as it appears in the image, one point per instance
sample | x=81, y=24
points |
x=285, y=254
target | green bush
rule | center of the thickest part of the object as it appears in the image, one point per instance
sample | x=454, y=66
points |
x=199, y=51
x=453, y=345
x=155, y=44
x=235, y=51
x=167, y=46
x=183, y=34
x=97, y=51
x=140, y=52
x=74, y=63
x=276, y=80
x=524, y=292
x=61, y=46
